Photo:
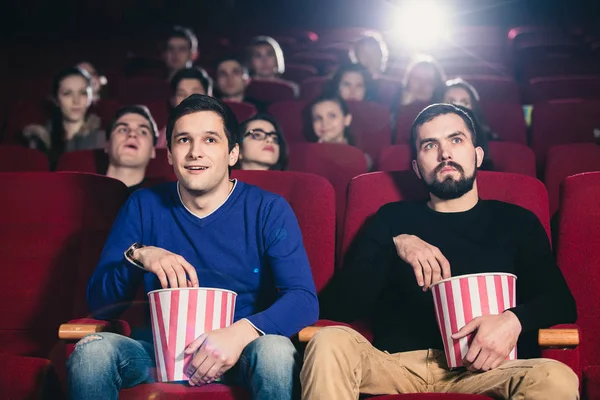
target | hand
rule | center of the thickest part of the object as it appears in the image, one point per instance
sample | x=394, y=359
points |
x=427, y=261
x=495, y=338
x=218, y=351
x=170, y=268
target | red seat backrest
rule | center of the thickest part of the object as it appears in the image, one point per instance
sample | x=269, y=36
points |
x=289, y=116
x=23, y=113
x=271, y=91
x=160, y=112
x=51, y=235
x=371, y=127
x=312, y=88
x=299, y=72
x=578, y=252
x=566, y=160
x=493, y=88
x=507, y=157
x=313, y=200
x=367, y=193
x=507, y=120
x=388, y=89
x=21, y=159
x=564, y=87
x=563, y=123
x=142, y=89
x=242, y=110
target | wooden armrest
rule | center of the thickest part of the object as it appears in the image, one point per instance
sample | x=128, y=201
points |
x=77, y=331
x=558, y=337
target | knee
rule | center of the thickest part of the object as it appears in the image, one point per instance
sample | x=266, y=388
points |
x=557, y=379
x=272, y=353
x=93, y=350
x=333, y=340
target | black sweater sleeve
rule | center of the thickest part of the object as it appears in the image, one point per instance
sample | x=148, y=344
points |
x=354, y=290
x=544, y=297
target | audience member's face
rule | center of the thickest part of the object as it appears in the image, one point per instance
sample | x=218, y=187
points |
x=73, y=98
x=185, y=89
x=447, y=160
x=352, y=86
x=89, y=68
x=264, y=61
x=199, y=151
x=231, y=79
x=369, y=55
x=458, y=96
x=422, y=82
x=329, y=121
x=261, y=146
x=178, y=53
x=131, y=143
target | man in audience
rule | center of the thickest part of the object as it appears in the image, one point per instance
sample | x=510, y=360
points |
x=453, y=233
x=232, y=79
x=189, y=81
x=131, y=137
x=181, y=51
x=211, y=231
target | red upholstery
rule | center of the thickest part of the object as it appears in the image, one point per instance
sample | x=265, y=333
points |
x=271, y=91
x=143, y=89
x=564, y=87
x=506, y=119
x=493, y=88
x=169, y=391
x=23, y=113
x=54, y=227
x=312, y=88
x=507, y=157
x=160, y=112
x=566, y=160
x=27, y=378
x=313, y=200
x=322, y=60
x=96, y=162
x=336, y=163
x=242, y=111
x=106, y=110
x=388, y=89
x=289, y=116
x=578, y=252
x=562, y=123
x=21, y=159
x=591, y=382
x=299, y=72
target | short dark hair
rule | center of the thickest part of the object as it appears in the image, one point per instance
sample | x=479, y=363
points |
x=200, y=102
x=433, y=111
x=192, y=73
x=184, y=33
x=231, y=57
x=282, y=162
x=133, y=109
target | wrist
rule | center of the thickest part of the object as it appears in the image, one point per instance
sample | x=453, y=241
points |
x=512, y=317
x=245, y=331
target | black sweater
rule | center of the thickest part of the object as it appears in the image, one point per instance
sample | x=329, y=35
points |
x=491, y=237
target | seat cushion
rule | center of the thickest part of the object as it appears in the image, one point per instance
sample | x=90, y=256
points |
x=172, y=391
x=591, y=382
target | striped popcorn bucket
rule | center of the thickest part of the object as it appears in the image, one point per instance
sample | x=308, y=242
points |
x=181, y=315
x=459, y=299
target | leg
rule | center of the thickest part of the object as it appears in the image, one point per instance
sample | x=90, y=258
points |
x=269, y=367
x=533, y=379
x=340, y=363
x=103, y=363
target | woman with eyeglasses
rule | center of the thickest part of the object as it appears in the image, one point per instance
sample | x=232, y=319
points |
x=262, y=145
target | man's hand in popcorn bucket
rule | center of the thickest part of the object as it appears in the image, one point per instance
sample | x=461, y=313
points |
x=427, y=261
x=171, y=269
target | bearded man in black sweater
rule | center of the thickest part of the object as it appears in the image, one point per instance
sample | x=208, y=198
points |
x=408, y=246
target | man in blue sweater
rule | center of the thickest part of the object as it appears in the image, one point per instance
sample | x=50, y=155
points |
x=204, y=230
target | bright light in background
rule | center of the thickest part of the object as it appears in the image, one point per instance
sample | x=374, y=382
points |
x=420, y=24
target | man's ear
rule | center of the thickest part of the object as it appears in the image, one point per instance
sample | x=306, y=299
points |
x=480, y=154
x=169, y=156
x=234, y=155
x=416, y=169
x=153, y=155
x=247, y=81
x=194, y=55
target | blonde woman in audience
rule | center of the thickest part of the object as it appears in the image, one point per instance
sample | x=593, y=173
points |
x=352, y=82
x=423, y=78
x=71, y=126
x=262, y=144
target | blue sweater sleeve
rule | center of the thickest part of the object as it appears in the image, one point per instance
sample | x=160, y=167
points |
x=296, y=305
x=115, y=281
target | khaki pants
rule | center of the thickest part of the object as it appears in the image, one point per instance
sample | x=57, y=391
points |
x=340, y=363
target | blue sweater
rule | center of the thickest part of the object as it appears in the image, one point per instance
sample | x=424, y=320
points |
x=251, y=244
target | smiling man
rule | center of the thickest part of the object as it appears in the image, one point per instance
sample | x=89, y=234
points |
x=406, y=248
x=131, y=137
x=210, y=231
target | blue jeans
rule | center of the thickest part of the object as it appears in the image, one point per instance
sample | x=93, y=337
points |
x=104, y=363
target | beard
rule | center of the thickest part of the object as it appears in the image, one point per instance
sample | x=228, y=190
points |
x=450, y=188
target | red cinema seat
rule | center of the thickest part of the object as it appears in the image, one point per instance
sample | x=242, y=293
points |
x=578, y=252
x=312, y=88
x=28, y=378
x=142, y=89
x=404, y=120
x=506, y=157
x=242, y=110
x=565, y=160
x=563, y=123
x=96, y=162
x=22, y=159
x=23, y=113
x=299, y=72
x=324, y=61
x=371, y=127
x=54, y=224
x=493, y=88
x=160, y=110
x=549, y=88
x=106, y=110
x=290, y=117
x=271, y=91
x=388, y=89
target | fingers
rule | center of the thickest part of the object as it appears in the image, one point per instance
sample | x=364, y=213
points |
x=442, y=262
x=211, y=374
x=473, y=352
x=426, y=267
x=477, y=365
x=418, y=273
x=469, y=328
x=195, y=345
x=487, y=365
x=162, y=277
x=190, y=270
x=197, y=378
x=497, y=363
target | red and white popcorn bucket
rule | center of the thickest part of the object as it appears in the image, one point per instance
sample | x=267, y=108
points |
x=178, y=317
x=460, y=299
